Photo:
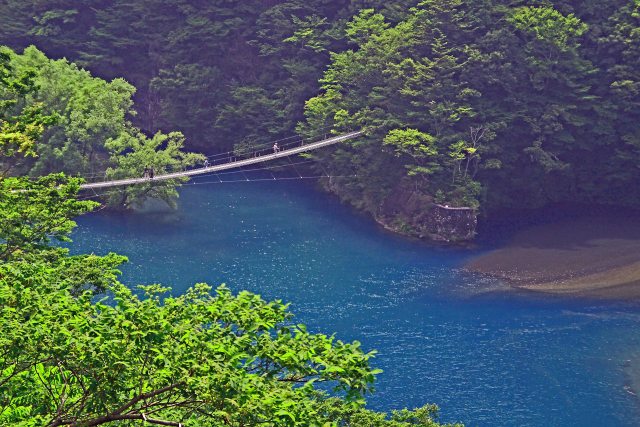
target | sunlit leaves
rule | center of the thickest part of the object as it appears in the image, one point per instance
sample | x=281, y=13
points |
x=226, y=358
x=32, y=213
x=132, y=153
x=548, y=25
x=412, y=141
x=366, y=24
x=87, y=112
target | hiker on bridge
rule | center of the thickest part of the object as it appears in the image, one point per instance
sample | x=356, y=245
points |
x=149, y=173
x=206, y=163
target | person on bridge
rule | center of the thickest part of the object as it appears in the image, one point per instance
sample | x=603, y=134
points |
x=206, y=163
x=145, y=173
x=276, y=149
x=150, y=173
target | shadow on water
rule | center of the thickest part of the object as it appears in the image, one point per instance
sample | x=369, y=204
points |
x=604, y=222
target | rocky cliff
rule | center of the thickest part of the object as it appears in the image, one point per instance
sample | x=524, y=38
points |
x=416, y=214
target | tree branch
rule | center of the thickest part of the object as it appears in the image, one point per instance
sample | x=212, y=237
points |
x=110, y=418
x=147, y=395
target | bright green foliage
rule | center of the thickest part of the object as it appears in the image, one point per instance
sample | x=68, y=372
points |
x=412, y=142
x=197, y=359
x=548, y=25
x=133, y=153
x=200, y=359
x=520, y=101
x=401, y=79
x=20, y=126
x=34, y=212
x=357, y=417
x=88, y=111
x=365, y=25
x=87, y=128
x=68, y=358
x=419, y=146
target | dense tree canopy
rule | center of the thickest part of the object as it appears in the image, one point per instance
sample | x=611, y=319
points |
x=521, y=103
x=467, y=103
x=88, y=129
x=514, y=99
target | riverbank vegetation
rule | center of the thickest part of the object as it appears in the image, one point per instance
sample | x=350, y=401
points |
x=88, y=132
x=80, y=348
x=488, y=104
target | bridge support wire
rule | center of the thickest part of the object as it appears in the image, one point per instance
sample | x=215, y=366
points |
x=231, y=164
x=294, y=167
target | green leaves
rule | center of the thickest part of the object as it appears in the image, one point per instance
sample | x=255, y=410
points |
x=413, y=142
x=365, y=25
x=202, y=358
x=232, y=357
x=20, y=126
x=34, y=212
x=133, y=153
x=549, y=25
x=87, y=112
x=308, y=34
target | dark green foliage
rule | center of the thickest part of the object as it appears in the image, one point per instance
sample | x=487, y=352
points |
x=527, y=102
x=523, y=101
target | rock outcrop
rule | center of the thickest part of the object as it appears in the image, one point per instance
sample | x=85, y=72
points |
x=416, y=214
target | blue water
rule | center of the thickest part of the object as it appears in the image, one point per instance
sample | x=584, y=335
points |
x=486, y=358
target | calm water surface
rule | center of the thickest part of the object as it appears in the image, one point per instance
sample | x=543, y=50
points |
x=487, y=358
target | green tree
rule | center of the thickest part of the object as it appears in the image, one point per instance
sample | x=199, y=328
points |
x=553, y=84
x=88, y=111
x=132, y=153
x=419, y=146
x=20, y=126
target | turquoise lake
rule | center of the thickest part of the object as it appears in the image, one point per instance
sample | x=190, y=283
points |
x=486, y=358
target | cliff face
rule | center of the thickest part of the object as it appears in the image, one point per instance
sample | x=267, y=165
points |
x=410, y=213
x=416, y=214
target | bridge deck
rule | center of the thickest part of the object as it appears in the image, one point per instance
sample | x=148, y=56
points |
x=225, y=166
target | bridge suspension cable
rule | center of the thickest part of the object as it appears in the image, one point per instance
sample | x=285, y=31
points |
x=231, y=164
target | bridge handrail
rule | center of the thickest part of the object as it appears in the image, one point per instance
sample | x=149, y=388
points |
x=225, y=166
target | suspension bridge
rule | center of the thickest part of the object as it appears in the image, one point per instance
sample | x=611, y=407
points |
x=232, y=163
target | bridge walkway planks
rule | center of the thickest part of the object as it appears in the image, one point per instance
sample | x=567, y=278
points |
x=225, y=166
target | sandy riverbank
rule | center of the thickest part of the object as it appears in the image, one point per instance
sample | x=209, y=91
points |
x=593, y=256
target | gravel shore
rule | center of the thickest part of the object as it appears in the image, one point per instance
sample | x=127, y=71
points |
x=592, y=256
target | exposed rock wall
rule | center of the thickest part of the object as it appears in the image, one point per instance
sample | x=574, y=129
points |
x=405, y=211
x=416, y=214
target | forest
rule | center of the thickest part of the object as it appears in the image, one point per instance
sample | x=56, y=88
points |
x=483, y=105
x=488, y=105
